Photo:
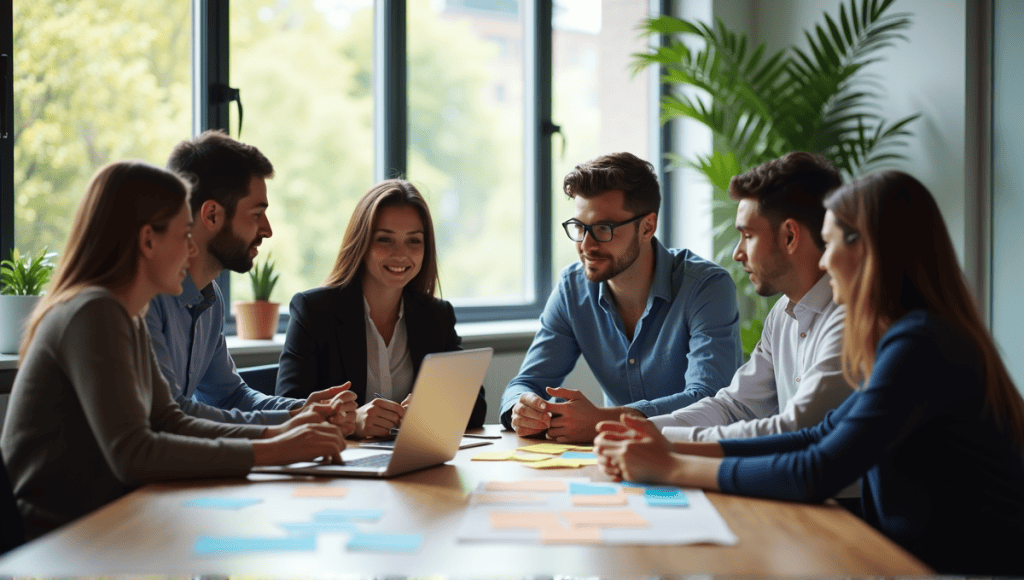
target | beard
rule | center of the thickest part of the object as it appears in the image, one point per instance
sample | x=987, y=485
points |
x=616, y=266
x=232, y=251
x=768, y=277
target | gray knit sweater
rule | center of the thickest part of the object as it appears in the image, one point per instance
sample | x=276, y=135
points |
x=90, y=417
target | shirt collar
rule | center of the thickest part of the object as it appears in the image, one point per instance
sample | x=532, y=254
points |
x=661, y=286
x=817, y=298
x=192, y=296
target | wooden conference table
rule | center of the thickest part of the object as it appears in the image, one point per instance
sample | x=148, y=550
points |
x=151, y=532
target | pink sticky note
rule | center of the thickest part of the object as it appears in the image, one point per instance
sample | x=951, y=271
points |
x=524, y=520
x=320, y=491
x=570, y=535
x=612, y=499
x=507, y=498
x=526, y=485
x=605, y=519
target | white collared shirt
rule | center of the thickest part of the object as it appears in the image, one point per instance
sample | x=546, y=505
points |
x=389, y=369
x=793, y=377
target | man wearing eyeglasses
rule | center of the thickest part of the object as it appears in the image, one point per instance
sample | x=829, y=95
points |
x=657, y=326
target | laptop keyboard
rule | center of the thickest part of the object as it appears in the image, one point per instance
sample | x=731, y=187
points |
x=381, y=460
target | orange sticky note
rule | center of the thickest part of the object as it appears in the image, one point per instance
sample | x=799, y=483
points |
x=570, y=535
x=509, y=498
x=320, y=491
x=526, y=485
x=613, y=499
x=605, y=519
x=524, y=520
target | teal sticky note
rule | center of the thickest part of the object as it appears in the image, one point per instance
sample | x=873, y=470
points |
x=385, y=542
x=588, y=489
x=313, y=528
x=224, y=503
x=578, y=455
x=343, y=514
x=666, y=497
x=211, y=545
x=634, y=484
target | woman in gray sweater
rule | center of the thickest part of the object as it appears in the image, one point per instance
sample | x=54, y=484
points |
x=90, y=416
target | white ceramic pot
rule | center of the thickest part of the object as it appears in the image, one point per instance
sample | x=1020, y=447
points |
x=14, y=313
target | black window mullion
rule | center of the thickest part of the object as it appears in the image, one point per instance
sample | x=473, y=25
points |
x=390, y=80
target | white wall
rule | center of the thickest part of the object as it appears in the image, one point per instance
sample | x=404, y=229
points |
x=926, y=74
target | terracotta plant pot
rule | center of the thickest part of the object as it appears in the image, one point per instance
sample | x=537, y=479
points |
x=256, y=320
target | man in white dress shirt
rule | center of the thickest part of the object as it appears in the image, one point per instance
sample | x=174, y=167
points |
x=794, y=375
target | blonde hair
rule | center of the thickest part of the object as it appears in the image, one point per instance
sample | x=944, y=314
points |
x=103, y=248
x=356, y=242
x=917, y=270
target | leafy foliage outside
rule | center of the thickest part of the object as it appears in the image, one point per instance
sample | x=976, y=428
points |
x=25, y=276
x=761, y=106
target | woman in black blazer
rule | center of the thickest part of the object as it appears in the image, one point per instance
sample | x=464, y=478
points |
x=385, y=274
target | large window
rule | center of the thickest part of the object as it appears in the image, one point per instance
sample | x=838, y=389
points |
x=485, y=85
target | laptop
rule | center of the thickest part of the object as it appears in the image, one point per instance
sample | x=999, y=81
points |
x=443, y=397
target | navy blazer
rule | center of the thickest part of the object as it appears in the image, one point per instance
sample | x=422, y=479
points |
x=326, y=341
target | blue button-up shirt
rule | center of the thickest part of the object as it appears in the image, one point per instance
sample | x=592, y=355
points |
x=685, y=347
x=188, y=338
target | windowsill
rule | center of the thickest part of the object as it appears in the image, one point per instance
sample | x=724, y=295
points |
x=502, y=336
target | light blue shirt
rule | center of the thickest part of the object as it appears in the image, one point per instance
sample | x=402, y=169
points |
x=685, y=347
x=188, y=338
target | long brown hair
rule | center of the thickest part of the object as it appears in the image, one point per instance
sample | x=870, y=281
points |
x=103, y=245
x=918, y=269
x=355, y=244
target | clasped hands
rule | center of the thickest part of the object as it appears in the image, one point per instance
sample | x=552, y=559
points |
x=316, y=429
x=573, y=421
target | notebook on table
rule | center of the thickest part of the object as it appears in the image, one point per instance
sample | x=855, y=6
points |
x=443, y=397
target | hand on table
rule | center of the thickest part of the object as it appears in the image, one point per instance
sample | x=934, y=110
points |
x=305, y=437
x=378, y=417
x=530, y=416
x=634, y=449
x=575, y=420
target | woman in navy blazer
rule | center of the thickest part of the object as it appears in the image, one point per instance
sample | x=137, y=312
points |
x=385, y=274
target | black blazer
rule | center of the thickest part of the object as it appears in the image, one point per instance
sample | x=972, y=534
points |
x=326, y=341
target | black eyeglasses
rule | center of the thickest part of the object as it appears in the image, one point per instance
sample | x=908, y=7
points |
x=577, y=230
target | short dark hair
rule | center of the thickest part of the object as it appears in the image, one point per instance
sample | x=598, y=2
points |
x=792, y=186
x=622, y=171
x=219, y=167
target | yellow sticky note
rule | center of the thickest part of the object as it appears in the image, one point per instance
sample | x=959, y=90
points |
x=549, y=448
x=523, y=520
x=582, y=448
x=605, y=519
x=494, y=455
x=560, y=535
x=553, y=463
x=611, y=499
x=526, y=485
x=320, y=491
x=528, y=457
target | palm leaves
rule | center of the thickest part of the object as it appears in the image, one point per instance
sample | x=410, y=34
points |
x=760, y=106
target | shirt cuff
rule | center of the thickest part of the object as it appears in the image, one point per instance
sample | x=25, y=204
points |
x=275, y=417
x=678, y=433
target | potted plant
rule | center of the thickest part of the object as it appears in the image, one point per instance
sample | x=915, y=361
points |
x=257, y=320
x=760, y=106
x=22, y=279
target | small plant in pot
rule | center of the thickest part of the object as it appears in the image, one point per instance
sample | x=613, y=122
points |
x=22, y=279
x=257, y=320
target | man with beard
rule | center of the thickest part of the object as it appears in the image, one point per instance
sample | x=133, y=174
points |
x=794, y=376
x=229, y=203
x=657, y=326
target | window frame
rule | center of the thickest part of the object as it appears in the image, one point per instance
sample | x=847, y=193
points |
x=210, y=68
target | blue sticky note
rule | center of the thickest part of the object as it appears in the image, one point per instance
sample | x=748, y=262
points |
x=342, y=514
x=634, y=484
x=313, y=528
x=224, y=503
x=578, y=455
x=209, y=545
x=666, y=497
x=588, y=489
x=385, y=542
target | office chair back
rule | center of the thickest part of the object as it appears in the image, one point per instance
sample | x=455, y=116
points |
x=262, y=378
